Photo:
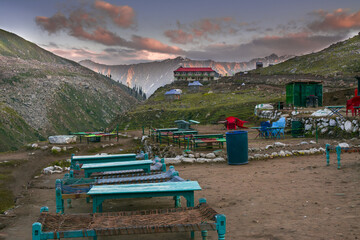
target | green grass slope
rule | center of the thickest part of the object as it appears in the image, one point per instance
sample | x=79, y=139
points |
x=213, y=103
x=14, y=131
x=340, y=59
x=12, y=45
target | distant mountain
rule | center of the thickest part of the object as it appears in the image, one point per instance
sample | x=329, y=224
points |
x=43, y=94
x=152, y=75
x=341, y=59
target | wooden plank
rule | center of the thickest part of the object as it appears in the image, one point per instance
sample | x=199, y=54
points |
x=90, y=157
x=145, y=188
x=115, y=164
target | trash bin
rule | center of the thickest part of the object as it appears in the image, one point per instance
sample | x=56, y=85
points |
x=237, y=147
x=296, y=129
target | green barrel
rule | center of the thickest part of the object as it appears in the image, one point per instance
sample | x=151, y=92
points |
x=297, y=129
x=237, y=147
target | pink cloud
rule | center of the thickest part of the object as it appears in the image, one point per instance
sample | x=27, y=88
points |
x=201, y=29
x=154, y=45
x=85, y=26
x=123, y=16
x=179, y=36
x=52, y=24
x=340, y=19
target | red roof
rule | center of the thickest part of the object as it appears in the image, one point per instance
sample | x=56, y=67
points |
x=182, y=69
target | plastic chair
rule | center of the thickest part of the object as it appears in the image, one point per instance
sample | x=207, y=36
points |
x=264, y=131
x=279, y=124
x=233, y=122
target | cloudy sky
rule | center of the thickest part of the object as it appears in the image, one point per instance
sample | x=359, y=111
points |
x=133, y=31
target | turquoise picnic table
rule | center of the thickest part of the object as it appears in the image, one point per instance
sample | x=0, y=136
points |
x=186, y=189
x=90, y=168
x=102, y=158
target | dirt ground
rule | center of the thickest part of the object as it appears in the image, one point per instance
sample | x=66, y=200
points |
x=280, y=198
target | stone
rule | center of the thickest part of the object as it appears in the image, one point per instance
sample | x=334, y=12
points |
x=210, y=155
x=219, y=159
x=304, y=143
x=55, y=149
x=35, y=145
x=308, y=127
x=312, y=142
x=197, y=155
x=268, y=146
x=279, y=144
x=202, y=155
x=44, y=147
x=324, y=130
x=172, y=161
x=282, y=153
x=332, y=123
x=188, y=160
x=344, y=145
x=348, y=126
x=201, y=160
x=191, y=155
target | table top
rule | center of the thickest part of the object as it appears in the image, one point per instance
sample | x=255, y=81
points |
x=145, y=188
x=115, y=164
x=166, y=129
x=335, y=106
x=103, y=156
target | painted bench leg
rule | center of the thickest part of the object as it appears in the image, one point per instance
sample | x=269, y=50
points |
x=327, y=149
x=221, y=226
x=338, y=153
x=69, y=203
x=177, y=200
x=59, y=201
x=36, y=231
x=204, y=235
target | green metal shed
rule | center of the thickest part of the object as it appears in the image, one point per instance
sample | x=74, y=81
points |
x=298, y=91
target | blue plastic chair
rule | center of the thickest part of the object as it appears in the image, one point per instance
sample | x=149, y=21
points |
x=279, y=124
x=264, y=131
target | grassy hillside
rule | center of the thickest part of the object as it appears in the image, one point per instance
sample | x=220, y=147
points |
x=42, y=94
x=213, y=103
x=14, y=131
x=340, y=59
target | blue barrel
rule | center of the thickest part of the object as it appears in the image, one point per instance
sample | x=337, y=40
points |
x=237, y=147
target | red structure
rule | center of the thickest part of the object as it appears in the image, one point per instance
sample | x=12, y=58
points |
x=233, y=122
x=350, y=104
x=194, y=74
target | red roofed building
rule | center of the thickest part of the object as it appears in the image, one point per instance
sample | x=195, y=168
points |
x=194, y=74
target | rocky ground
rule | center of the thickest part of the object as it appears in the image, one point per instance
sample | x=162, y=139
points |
x=291, y=197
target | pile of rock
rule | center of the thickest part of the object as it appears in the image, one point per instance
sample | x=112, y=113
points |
x=326, y=126
x=190, y=157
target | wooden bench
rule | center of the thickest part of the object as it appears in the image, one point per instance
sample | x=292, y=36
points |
x=72, y=188
x=207, y=139
x=90, y=168
x=203, y=218
x=102, y=158
x=175, y=189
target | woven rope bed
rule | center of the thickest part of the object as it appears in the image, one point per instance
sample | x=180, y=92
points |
x=199, y=218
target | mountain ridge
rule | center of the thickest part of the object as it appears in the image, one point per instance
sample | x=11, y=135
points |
x=152, y=75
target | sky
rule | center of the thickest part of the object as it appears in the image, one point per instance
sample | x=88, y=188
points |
x=132, y=31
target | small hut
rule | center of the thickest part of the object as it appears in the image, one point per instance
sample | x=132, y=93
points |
x=194, y=86
x=173, y=94
x=259, y=65
x=304, y=93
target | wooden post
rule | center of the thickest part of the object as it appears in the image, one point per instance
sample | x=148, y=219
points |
x=338, y=153
x=327, y=149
